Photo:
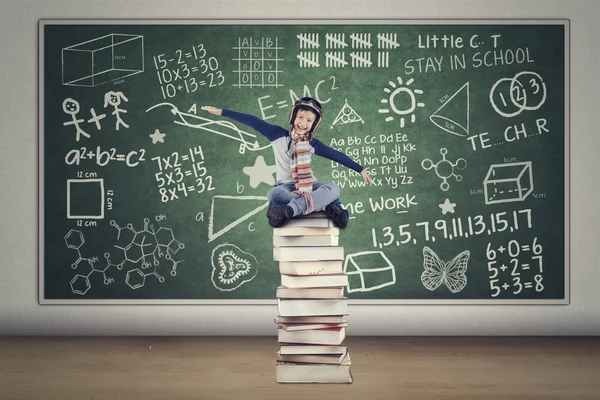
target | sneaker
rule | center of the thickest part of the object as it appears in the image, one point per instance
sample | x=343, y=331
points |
x=272, y=205
x=279, y=214
x=338, y=214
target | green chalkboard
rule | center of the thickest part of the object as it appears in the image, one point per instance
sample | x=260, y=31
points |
x=461, y=124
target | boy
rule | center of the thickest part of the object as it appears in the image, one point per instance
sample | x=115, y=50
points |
x=296, y=191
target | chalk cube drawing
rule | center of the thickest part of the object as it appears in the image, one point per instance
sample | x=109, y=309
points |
x=85, y=198
x=368, y=270
x=508, y=182
x=103, y=59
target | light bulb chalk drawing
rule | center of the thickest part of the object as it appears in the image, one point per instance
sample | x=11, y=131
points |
x=437, y=272
x=450, y=117
x=398, y=106
x=529, y=95
x=232, y=267
x=444, y=169
x=204, y=124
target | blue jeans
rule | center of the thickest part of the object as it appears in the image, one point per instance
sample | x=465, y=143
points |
x=322, y=194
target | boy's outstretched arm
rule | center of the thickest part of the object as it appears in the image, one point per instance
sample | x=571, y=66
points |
x=213, y=110
x=271, y=132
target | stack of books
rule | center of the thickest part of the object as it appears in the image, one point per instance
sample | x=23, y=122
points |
x=310, y=300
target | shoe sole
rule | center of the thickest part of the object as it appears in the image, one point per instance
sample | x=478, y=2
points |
x=275, y=217
x=344, y=215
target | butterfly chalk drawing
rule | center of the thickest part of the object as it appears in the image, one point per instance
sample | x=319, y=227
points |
x=452, y=273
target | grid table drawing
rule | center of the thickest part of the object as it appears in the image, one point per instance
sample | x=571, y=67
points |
x=258, y=62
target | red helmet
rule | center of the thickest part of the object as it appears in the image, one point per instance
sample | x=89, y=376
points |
x=310, y=103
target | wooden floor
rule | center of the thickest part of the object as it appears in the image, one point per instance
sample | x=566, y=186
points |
x=238, y=368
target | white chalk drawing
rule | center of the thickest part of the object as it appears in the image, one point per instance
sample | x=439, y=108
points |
x=260, y=172
x=361, y=59
x=96, y=118
x=248, y=140
x=157, y=136
x=103, y=59
x=437, y=272
x=337, y=44
x=361, y=40
x=80, y=284
x=347, y=115
x=516, y=96
x=398, y=105
x=453, y=116
x=387, y=41
x=383, y=59
x=308, y=59
x=445, y=169
x=335, y=40
x=447, y=207
x=85, y=198
x=71, y=107
x=233, y=212
x=232, y=267
x=147, y=247
x=508, y=182
x=308, y=40
x=113, y=99
x=372, y=269
x=335, y=59
x=258, y=62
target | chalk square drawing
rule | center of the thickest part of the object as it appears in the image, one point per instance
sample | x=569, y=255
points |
x=85, y=198
x=103, y=59
x=508, y=182
x=368, y=270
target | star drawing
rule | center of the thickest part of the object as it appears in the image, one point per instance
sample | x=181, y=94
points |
x=157, y=136
x=260, y=172
x=447, y=207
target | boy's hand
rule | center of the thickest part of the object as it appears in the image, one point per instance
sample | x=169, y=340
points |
x=366, y=177
x=212, y=110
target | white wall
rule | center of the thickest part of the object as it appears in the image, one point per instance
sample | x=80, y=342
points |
x=20, y=313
